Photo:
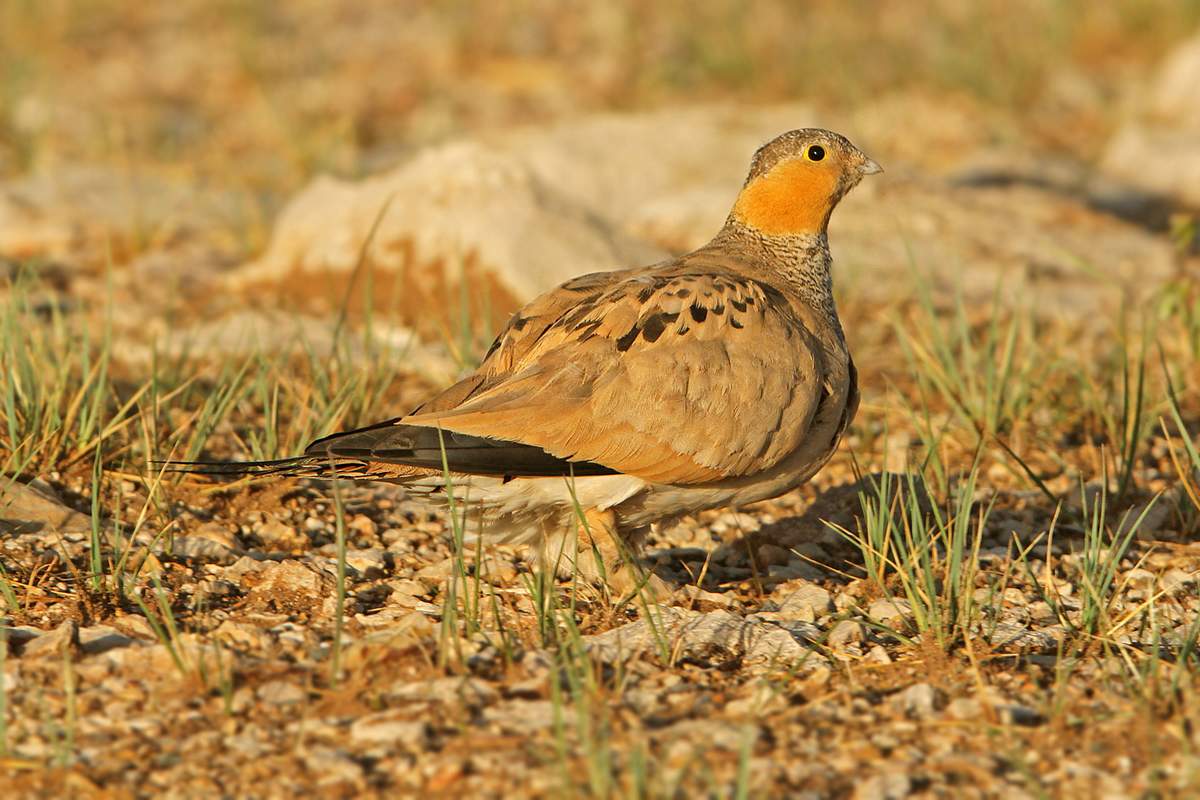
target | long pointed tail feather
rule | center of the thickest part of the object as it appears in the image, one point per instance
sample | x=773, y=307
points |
x=299, y=467
x=400, y=453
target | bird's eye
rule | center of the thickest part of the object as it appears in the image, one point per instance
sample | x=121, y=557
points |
x=816, y=152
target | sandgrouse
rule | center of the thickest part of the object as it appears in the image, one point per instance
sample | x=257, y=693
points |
x=620, y=399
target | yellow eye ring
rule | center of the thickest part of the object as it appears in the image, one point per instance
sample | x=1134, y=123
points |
x=815, y=152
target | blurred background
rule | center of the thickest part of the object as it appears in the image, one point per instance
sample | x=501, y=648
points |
x=207, y=147
x=260, y=96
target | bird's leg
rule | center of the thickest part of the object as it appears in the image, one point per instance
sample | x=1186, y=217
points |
x=598, y=546
x=581, y=546
x=593, y=547
x=604, y=553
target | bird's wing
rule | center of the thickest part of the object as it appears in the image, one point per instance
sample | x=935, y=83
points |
x=683, y=374
x=405, y=451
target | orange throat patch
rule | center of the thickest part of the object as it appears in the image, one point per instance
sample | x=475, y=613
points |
x=793, y=198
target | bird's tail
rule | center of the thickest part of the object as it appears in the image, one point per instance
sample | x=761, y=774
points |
x=319, y=467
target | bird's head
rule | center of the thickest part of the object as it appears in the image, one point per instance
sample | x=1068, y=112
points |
x=796, y=180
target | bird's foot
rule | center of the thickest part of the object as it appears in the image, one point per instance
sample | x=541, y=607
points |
x=605, y=560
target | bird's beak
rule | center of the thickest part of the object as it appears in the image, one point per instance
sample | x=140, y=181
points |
x=869, y=167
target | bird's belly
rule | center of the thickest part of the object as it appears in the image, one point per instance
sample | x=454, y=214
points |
x=659, y=502
x=525, y=509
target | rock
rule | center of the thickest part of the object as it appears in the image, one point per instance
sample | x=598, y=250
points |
x=762, y=699
x=218, y=533
x=61, y=641
x=889, y=611
x=18, y=634
x=520, y=211
x=287, y=586
x=134, y=625
x=244, y=637
x=102, y=638
x=1148, y=519
x=497, y=571
x=964, y=709
x=202, y=547
x=919, y=700
x=717, y=734
x=769, y=555
x=406, y=592
x=149, y=566
x=91, y=215
x=877, y=655
x=1015, y=714
x=885, y=786
x=153, y=662
x=1041, y=612
x=469, y=692
x=461, y=211
x=334, y=768
x=848, y=631
x=703, y=599
x=1159, y=151
x=275, y=535
x=30, y=508
x=281, y=693
x=384, y=728
x=1176, y=581
x=667, y=176
x=433, y=575
x=713, y=635
x=521, y=717
x=1018, y=638
x=402, y=632
x=367, y=564
x=244, y=566
x=214, y=590
x=964, y=234
x=1139, y=578
x=10, y=679
x=796, y=568
x=806, y=601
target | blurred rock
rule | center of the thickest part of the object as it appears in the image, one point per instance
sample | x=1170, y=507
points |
x=28, y=508
x=281, y=692
x=521, y=717
x=522, y=210
x=804, y=600
x=275, y=535
x=243, y=636
x=890, y=611
x=384, y=728
x=1159, y=151
x=92, y=216
x=463, y=209
x=670, y=177
x=846, y=632
x=667, y=176
x=287, y=586
x=61, y=641
x=102, y=638
x=210, y=542
x=919, y=700
x=368, y=564
x=891, y=785
x=286, y=333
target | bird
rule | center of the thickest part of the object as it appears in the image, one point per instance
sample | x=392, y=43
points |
x=627, y=398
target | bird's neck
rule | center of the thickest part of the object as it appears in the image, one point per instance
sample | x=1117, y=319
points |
x=801, y=263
